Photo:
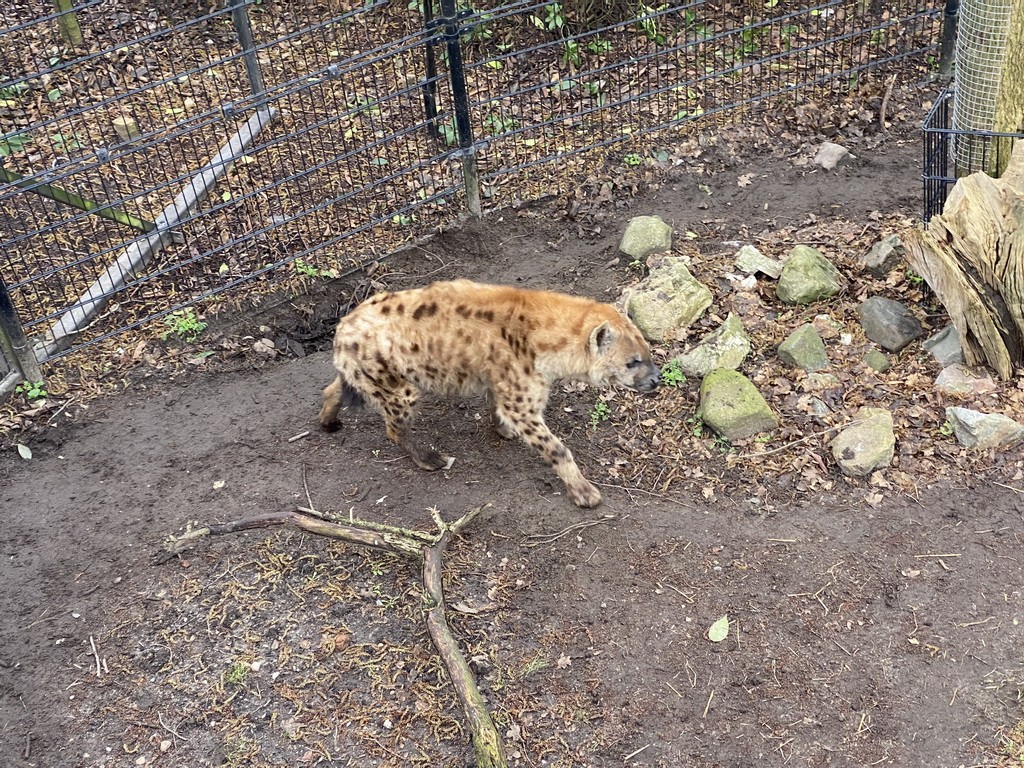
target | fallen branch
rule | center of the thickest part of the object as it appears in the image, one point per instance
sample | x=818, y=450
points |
x=425, y=548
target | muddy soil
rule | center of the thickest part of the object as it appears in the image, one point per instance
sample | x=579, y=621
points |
x=860, y=634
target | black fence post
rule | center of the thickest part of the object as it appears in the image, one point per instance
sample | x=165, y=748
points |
x=949, y=23
x=450, y=18
x=14, y=341
x=246, y=40
x=430, y=84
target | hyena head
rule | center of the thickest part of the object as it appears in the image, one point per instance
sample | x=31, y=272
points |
x=621, y=356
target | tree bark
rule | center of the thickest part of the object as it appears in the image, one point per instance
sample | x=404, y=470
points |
x=1010, y=103
x=972, y=256
x=70, y=32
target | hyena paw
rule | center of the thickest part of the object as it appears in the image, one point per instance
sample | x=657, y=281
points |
x=432, y=460
x=584, y=495
x=504, y=430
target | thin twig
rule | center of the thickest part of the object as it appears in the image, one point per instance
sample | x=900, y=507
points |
x=60, y=410
x=629, y=488
x=803, y=439
x=540, y=539
x=96, y=655
x=885, y=104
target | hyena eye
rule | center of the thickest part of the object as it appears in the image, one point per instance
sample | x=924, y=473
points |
x=634, y=363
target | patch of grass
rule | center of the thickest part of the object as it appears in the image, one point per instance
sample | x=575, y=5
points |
x=32, y=390
x=599, y=413
x=236, y=674
x=672, y=375
x=185, y=324
x=1011, y=747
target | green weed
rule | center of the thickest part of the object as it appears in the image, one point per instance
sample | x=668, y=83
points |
x=185, y=324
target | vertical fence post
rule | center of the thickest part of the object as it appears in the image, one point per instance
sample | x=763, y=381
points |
x=246, y=40
x=12, y=336
x=430, y=84
x=450, y=19
x=949, y=21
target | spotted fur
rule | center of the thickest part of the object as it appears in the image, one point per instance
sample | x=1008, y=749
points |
x=460, y=338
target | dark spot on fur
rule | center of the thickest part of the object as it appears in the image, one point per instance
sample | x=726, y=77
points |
x=400, y=309
x=462, y=310
x=424, y=310
x=414, y=348
x=385, y=310
x=519, y=398
x=559, y=453
x=353, y=346
x=486, y=315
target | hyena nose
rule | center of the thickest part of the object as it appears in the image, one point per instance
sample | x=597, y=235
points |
x=651, y=380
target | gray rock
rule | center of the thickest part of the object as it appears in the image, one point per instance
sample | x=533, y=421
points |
x=645, y=235
x=877, y=361
x=815, y=382
x=958, y=379
x=888, y=323
x=668, y=300
x=750, y=260
x=807, y=276
x=883, y=256
x=733, y=407
x=945, y=346
x=803, y=348
x=819, y=407
x=867, y=444
x=829, y=155
x=724, y=348
x=983, y=431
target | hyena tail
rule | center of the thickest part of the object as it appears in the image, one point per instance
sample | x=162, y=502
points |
x=338, y=395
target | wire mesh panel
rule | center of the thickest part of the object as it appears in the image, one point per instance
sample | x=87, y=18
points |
x=181, y=150
x=654, y=68
x=99, y=141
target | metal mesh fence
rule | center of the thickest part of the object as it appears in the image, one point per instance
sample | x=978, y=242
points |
x=176, y=154
x=980, y=53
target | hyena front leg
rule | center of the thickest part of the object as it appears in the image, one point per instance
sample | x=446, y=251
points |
x=527, y=419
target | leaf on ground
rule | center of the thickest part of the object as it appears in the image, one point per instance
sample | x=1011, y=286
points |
x=24, y=451
x=719, y=630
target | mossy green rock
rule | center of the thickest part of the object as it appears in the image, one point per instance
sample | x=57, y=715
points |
x=669, y=300
x=876, y=361
x=803, y=348
x=867, y=444
x=731, y=405
x=724, y=348
x=807, y=276
x=645, y=235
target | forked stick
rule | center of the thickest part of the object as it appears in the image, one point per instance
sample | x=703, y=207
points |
x=425, y=548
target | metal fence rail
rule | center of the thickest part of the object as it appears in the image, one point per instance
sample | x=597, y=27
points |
x=168, y=159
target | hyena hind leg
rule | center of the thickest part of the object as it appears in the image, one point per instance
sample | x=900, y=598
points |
x=399, y=410
x=338, y=395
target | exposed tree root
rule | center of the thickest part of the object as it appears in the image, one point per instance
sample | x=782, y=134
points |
x=425, y=548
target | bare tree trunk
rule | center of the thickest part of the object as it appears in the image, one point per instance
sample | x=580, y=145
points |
x=972, y=256
x=1010, y=104
x=70, y=32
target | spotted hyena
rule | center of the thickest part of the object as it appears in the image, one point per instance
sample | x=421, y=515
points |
x=462, y=338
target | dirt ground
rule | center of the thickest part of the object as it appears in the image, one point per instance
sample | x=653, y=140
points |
x=866, y=628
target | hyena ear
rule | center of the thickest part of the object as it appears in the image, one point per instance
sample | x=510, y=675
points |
x=601, y=339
